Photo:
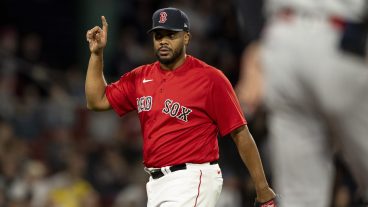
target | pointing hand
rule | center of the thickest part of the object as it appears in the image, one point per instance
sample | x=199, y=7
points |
x=97, y=37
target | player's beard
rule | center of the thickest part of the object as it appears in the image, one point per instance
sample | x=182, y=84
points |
x=175, y=56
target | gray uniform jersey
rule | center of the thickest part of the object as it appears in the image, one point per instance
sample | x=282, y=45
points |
x=348, y=9
x=313, y=88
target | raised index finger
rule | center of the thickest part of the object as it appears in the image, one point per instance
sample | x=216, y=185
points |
x=104, y=24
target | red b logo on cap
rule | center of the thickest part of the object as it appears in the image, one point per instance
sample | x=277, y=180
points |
x=163, y=17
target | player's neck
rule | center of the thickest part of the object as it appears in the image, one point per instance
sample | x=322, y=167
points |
x=174, y=65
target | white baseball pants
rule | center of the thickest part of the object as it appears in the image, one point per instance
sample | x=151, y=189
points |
x=197, y=186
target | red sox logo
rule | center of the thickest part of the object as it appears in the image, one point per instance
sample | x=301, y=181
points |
x=163, y=17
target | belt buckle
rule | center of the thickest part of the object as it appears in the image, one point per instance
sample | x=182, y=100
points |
x=153, y=171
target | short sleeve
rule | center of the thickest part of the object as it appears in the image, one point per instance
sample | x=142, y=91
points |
x=222, y=104
x=121, y=94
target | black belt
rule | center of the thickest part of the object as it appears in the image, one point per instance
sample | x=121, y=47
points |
x=157, y=173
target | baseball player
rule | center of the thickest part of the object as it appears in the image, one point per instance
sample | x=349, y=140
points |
x=182, y=104
x=314, y=90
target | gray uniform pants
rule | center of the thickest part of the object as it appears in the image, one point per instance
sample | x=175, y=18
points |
x=313, y=92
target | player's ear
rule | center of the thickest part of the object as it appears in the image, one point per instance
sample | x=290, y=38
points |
x=187, y=37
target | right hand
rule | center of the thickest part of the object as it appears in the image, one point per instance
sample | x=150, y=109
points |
x=274, y=202
x=97, y=37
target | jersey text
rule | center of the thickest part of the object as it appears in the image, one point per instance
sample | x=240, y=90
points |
x=144, y=103
x=176, y=110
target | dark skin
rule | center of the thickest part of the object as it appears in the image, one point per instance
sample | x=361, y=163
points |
x=170, y=50
x=170, y=47
x=248, y=152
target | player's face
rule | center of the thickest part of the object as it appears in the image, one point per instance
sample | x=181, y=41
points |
x=169, y=45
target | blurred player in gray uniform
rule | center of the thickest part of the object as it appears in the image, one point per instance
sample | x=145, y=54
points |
x=314, y=82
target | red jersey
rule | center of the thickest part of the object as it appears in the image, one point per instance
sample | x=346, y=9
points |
x=181, y=112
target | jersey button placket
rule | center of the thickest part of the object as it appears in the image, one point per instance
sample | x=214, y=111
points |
x=160, y=90
x=162, y=84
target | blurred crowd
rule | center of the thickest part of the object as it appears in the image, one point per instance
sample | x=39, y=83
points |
x=53, y=152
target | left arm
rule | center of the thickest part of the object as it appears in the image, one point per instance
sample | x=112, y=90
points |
x=249, y=153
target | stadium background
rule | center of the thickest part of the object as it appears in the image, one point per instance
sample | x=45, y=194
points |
x=54, y=151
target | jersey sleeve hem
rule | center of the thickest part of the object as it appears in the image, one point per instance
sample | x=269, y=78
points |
x=112, y=103
x=235, y=126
